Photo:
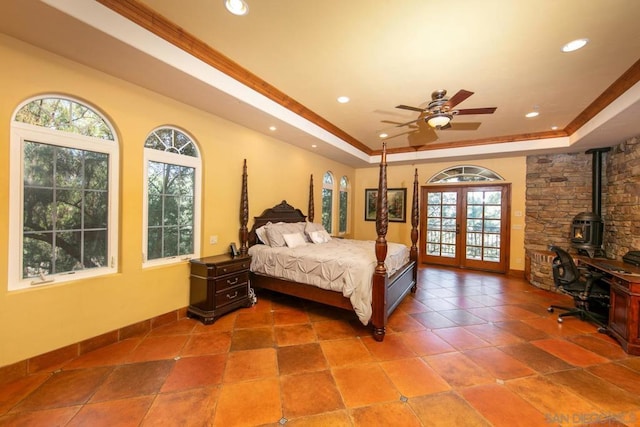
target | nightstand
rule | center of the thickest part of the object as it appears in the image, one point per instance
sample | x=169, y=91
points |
x=218, y=285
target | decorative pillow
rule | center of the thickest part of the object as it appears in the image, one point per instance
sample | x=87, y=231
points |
x=261, y=233
x=275, y=232
x=293, y=240
x=320, y=236
x=310, y=227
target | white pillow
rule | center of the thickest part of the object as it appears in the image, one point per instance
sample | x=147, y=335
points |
x=319, y=236
x=293, y=240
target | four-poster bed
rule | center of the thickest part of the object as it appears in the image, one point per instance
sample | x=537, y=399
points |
x=388, y=286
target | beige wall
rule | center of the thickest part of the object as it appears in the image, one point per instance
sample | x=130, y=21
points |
x=36, y=321
x=512, y=169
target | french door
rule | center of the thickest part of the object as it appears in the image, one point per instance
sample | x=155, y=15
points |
x=466, y=226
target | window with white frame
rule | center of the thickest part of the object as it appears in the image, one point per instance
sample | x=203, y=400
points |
x=327, y=201
x=172, y=202
x=344, y=205
x=63, y=193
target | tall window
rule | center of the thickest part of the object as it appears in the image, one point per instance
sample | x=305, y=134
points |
x=172, y=202
x=63, y=193
x=344, y=204
x=327, y=201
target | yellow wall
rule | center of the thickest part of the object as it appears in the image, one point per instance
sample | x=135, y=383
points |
x=512, y=169
x=39, y=320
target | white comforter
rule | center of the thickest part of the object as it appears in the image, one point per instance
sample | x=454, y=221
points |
x=341, y=265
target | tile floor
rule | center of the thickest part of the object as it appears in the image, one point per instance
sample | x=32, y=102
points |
x=469, y=349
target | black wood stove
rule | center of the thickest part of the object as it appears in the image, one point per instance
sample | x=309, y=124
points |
x=587, y=228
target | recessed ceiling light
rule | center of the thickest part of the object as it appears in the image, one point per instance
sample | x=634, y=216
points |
x=314, y=146
x=272, y=128
x=383, y=135
x=343, y=99
x=237, y=7
x=575, y=45
x=554, y=127
x=531, y=114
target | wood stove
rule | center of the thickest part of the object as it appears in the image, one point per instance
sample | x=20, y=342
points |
x=587, y=228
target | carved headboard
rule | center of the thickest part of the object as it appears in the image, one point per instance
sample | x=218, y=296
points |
x=282, y=212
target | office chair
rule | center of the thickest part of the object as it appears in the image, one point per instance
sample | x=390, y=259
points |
x=583, y=286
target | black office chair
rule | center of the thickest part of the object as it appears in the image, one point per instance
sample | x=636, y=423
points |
x=590, y=296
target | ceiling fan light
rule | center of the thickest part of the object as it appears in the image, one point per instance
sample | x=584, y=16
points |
x=439, y=120
x=237, y=7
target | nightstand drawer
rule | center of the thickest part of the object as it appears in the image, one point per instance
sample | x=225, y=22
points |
x=230, y=295
x=231, y=281
x=213, y=267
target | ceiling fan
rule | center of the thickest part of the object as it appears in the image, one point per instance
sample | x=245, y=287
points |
x=439, y=111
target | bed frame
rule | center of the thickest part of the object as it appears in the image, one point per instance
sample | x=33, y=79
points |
x=388, y=292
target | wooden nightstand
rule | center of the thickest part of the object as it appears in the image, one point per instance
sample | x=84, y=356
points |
x=218, y=285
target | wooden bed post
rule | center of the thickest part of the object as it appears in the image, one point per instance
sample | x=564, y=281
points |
x=311, y=209
x=415, y=219
x=244, y=212
x=379, y=315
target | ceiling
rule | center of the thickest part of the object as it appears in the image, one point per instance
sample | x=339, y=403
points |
x=286, y=62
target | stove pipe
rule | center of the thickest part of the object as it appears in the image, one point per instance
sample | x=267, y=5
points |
x=596, y=179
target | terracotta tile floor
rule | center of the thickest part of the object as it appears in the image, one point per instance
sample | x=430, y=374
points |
x=468, y=349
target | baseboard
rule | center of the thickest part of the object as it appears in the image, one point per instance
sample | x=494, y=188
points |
x=55, y=359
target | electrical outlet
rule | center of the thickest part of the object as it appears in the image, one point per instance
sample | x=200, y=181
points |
x=213, y=240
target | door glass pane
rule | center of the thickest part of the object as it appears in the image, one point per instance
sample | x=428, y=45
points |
x=474, y=198
x=441, y=223
x=493, y=198
x=484, y=211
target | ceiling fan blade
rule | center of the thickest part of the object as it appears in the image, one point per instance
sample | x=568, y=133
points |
x=486, y=110
x=400, y=134
x=391, y=122
x=458, y=98
x=422, y=137
x=408, y=107
x=464, y=125
x=408, y=123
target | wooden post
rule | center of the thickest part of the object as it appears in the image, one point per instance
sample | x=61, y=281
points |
x=415, y=219
x=379, y=315
x=244, y=212
x=310, y=212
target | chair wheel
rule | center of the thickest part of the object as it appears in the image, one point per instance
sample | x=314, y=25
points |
x=550, y=309
x=602, y=330
x=559, y=319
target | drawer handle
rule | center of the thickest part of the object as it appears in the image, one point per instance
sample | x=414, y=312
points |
x=233, y=281
x=224, y=270
x=235, y=294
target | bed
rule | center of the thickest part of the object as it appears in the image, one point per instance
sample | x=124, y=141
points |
x=389, y=273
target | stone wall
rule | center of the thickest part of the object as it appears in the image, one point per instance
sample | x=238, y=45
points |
x=559, y=187
x=622, y=212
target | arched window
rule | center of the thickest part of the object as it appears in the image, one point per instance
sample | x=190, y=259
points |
x=172, y=202
x=63, y=193
x=327, y=201
x=344, y=205
x=465, y=174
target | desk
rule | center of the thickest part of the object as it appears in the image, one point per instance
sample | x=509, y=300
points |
x=624, y=312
